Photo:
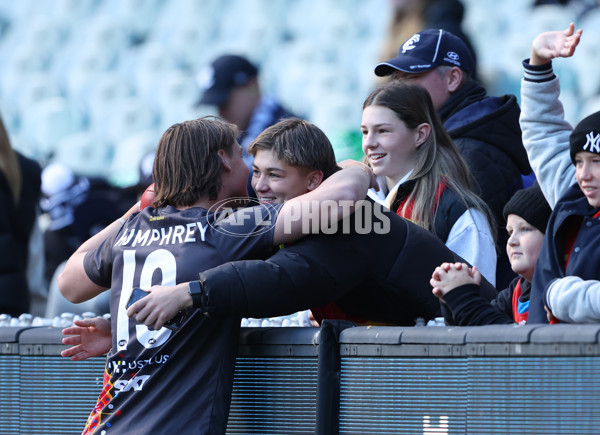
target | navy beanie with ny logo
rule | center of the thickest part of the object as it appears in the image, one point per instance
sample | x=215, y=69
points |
x=586, y=136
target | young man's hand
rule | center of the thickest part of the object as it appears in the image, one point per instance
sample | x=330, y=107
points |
x=88, y=338
x=161, y=305
x=372, y=178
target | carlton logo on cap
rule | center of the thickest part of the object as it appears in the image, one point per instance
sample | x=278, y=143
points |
x=428, y=49
x=410, y=44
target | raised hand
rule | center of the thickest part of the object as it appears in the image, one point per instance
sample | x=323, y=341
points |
x=549, y=45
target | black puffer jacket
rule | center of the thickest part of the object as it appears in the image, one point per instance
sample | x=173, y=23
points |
x=486, y=130
x=378, y=276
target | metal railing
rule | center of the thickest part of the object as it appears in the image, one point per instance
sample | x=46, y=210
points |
x=534, y=379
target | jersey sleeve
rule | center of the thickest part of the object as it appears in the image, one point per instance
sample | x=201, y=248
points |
x=98, y=263
x=246, y=233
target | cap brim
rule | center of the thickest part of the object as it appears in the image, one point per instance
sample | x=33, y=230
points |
x=405, y=64
x=214, y=97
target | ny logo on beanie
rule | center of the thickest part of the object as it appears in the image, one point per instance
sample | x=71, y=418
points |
x=583, y=138
x=593, y=143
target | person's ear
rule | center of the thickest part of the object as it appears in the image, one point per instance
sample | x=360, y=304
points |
x=225, y=159
x=314, y=180
x=454, y=79
x=423, y=132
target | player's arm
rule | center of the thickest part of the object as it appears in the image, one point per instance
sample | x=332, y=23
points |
x=73, y=282
x=332, y=201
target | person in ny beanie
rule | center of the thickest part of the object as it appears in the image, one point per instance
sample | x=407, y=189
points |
x=457, y=285
x=566, y=163
x=567, y=281
x=484, y=128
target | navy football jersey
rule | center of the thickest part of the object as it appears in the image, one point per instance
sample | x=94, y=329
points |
x=159, y=381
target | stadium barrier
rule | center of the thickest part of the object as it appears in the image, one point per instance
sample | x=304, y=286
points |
x=534, y=379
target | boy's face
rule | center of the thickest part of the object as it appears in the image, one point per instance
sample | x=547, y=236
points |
x=587, y=172
x=523, y=245
x=274, y=181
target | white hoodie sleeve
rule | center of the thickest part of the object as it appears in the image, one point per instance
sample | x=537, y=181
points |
x=546, y=137
x=573, y=300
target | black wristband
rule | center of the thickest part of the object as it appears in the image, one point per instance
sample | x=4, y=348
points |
x=195, y=290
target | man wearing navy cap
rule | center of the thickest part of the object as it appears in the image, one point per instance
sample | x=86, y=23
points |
x=231, y=84
x=485, y=129
x=426, y=51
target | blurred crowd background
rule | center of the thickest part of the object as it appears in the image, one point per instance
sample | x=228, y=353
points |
x=92, y=84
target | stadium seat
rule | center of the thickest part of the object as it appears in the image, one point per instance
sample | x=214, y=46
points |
x=590, y=106
x=49, y=121
x=105, y=92
x=85, y=153
x=587, y=56
x=128, y=154
x=175, y=96
x=127, y=117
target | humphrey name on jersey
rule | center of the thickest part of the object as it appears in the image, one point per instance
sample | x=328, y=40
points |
x=171, y=235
